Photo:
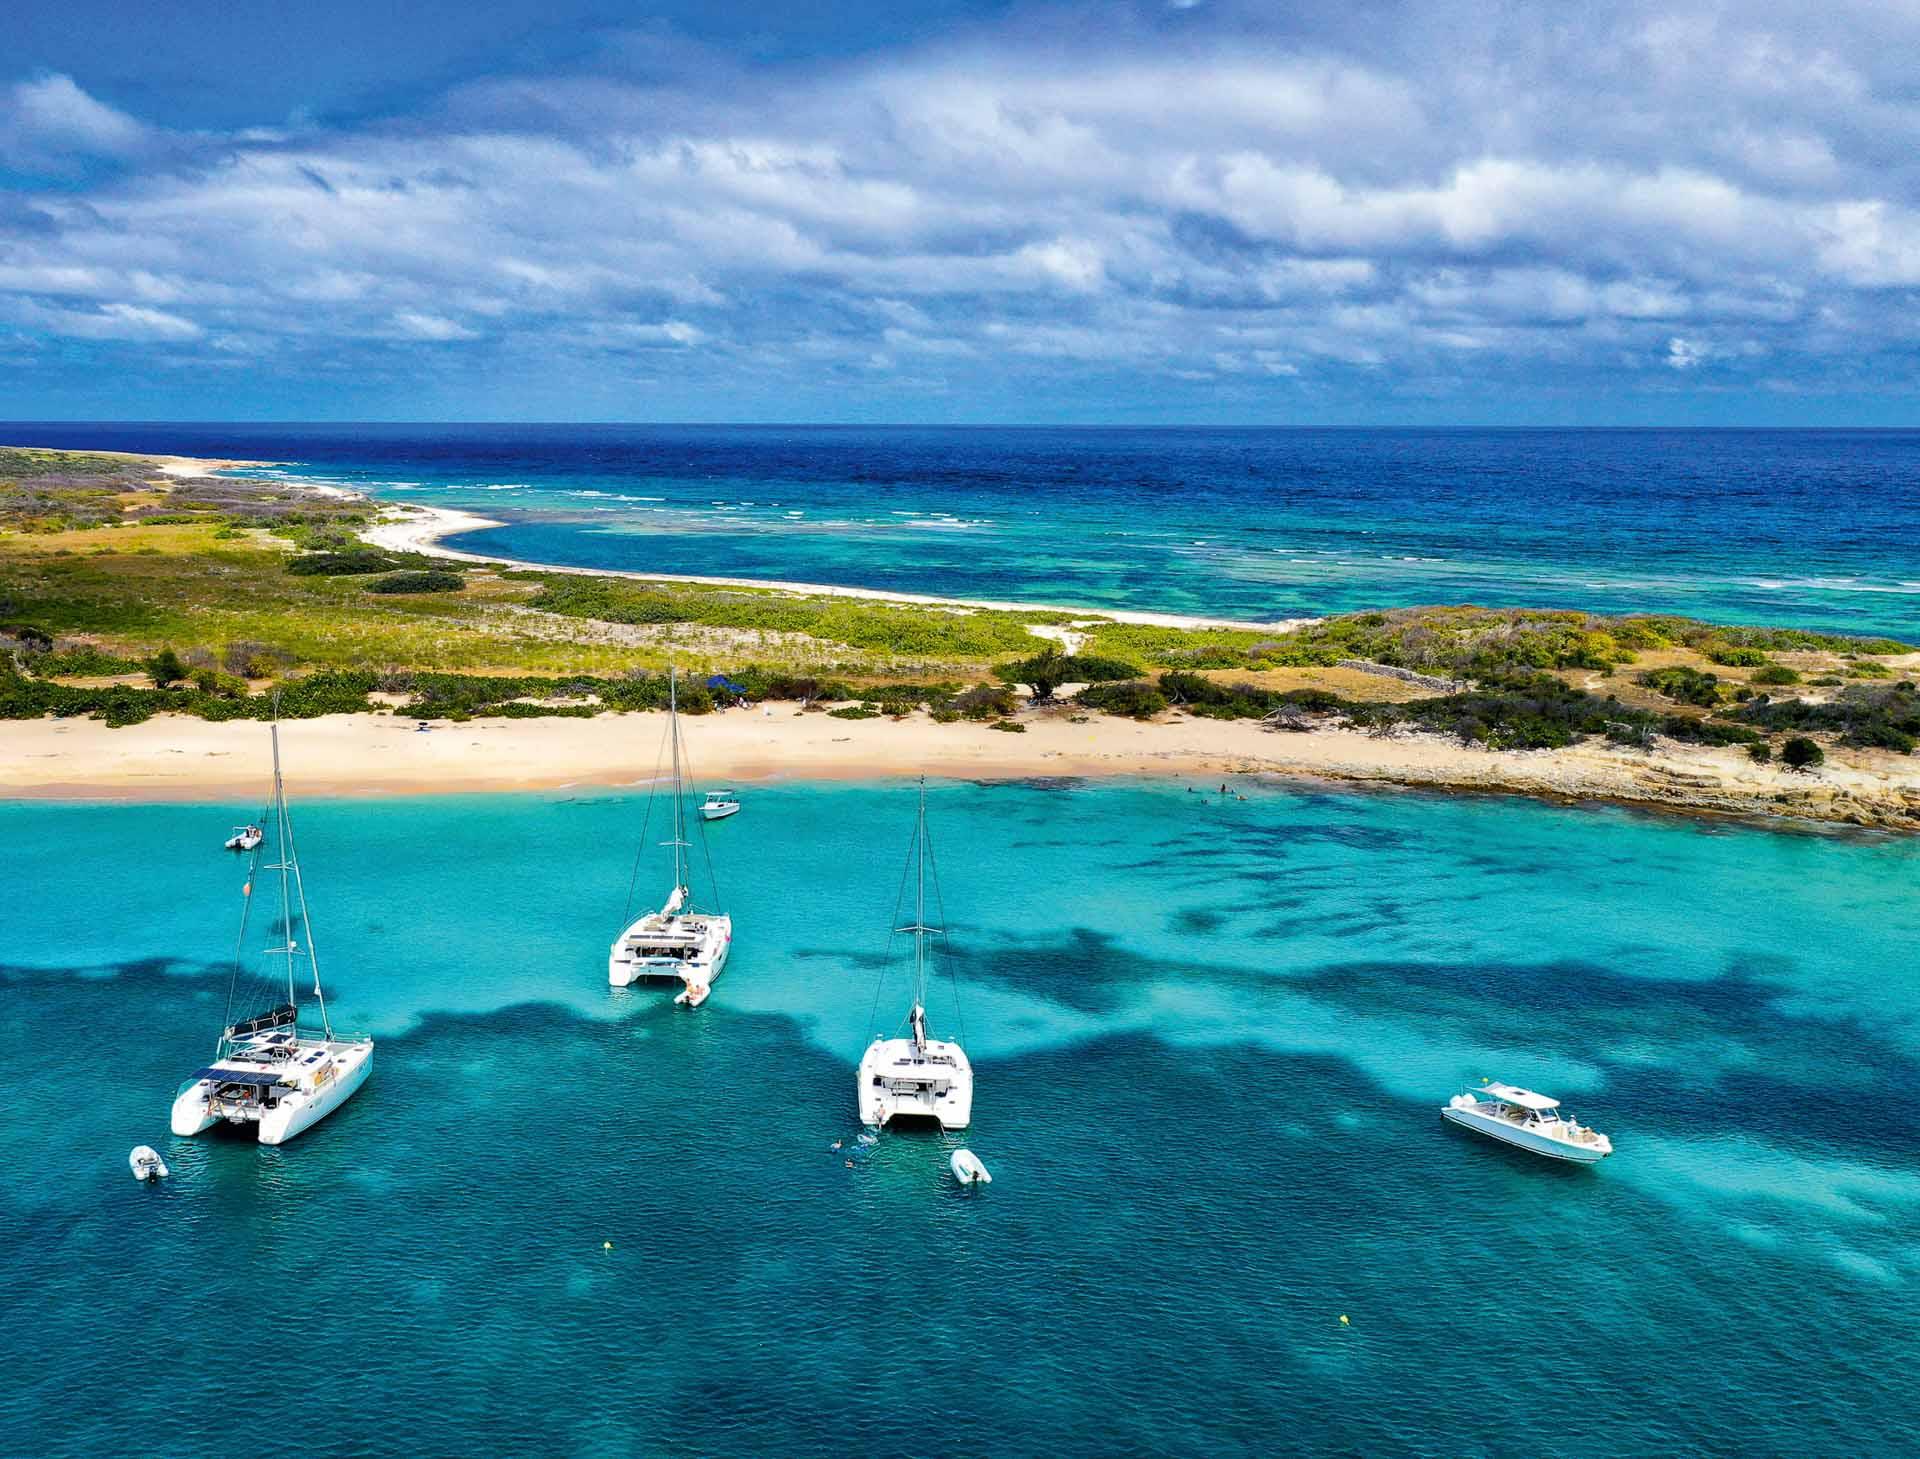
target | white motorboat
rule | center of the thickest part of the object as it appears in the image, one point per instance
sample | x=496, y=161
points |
x=679, y=941
x=146, y=1164
x=718, y=805
x=968, y=1170
x=1529, y=1120
x=917, y=1077
x=246, y=838
x=266, y=1072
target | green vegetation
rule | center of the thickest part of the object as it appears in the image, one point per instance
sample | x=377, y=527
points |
x=418, y=582
x=1685, y=686
x=165, y=668
x=1801, y=753
x=340, y=564
x=1733, y=655
x=1883, y=717
x=1046, y=672
x=1777, y=674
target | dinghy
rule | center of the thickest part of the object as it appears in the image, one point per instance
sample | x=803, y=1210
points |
x=146, y=1164
x=245, y=838
x=968, y=1170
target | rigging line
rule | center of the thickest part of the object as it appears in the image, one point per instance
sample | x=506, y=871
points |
x=893, y=930
x=946, y=947
x=286, y=889
x=640, y=851
x=706, y=846
x=306, y=921
x=240, y=938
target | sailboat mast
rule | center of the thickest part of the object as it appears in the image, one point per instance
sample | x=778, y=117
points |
x=284, y=863
x=679, y=806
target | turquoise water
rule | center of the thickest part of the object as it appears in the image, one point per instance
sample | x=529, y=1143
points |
x=1211, y=1040
x=1809, y=529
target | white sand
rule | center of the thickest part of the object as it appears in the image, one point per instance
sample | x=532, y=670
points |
x=181, y=758
x=422, y=529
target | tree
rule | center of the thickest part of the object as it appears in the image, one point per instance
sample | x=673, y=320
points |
x=1801, y=753
x=165, y=668
x=1044, y=673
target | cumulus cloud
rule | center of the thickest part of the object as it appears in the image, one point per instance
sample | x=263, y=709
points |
x=1461, y=191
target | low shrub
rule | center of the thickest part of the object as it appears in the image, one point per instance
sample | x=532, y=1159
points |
x=349, y=563
x=1776, y=674
x=1801, y=753
x=418, y=582
x=1685, y=686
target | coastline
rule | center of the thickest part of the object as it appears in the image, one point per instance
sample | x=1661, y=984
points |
x=407, y=527
x=178, y=758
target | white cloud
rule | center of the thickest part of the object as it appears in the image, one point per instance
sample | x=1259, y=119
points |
x=413, y=323
x=1674, y=183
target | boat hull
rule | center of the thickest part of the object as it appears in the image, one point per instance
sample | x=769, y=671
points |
x=1524, y=1139
x=296, y=1112
x=718, y=812
x=892, y=1086
x=624, y=970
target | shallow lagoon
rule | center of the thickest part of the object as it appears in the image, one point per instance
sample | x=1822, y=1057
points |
x=1211, y=1040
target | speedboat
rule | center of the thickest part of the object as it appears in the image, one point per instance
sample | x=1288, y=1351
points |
x=718, y=805
x=917, y=1077
x=146, y=1164
x=245, y=838
x=968, y=1170
x=679, y=941
x=1532, y=1121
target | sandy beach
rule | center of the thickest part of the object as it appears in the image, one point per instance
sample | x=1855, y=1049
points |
x=171, y=757
x=424, y=530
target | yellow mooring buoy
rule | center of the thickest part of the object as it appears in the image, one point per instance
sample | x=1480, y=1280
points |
x=1343, y=1320
x=608, y=1246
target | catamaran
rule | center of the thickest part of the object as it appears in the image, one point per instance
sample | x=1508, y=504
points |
x=917, y=1077
x=679, y=941
x=265, y=1071
x=1529, y=1120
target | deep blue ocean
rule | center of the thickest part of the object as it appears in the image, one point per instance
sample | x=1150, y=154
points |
x=1815, y=529
x=1211, y=1041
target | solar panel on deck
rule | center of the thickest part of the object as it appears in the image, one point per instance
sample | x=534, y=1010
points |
x=260, y=1077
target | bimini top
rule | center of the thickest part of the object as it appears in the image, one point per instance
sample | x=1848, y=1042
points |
x=260, y=1078
x=1513, y=1094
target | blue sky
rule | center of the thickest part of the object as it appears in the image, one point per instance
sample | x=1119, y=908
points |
x=1199, y=211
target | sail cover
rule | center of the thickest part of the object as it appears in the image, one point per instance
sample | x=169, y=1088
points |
x=280, y=1017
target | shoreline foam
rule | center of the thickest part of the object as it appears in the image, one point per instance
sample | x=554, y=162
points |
x=412, y=528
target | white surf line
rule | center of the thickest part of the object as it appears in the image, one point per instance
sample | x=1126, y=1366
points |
x=412, y=528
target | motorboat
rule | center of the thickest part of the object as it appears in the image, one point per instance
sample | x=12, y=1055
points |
x=266, y=1071
x=718, y=805
x=146, y=1164
x=246, y=838
x=968, y=1169
x=680, y=941
x=917, y=1077
x=1526, y=1119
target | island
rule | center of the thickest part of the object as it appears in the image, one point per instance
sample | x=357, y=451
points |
x=153, y=608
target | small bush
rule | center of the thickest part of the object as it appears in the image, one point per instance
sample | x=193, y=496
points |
x=1136, y=700
x=1686, y=686
x=1734, y=655
x=341, y=564
x=418, y=582
x=854, y=711
x=165, y=669
x=1777, y=674
x=1010, y=726
x=1801, y=753
x=984, y=701
x=1760, y=752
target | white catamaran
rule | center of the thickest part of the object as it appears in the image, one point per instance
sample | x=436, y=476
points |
x=679, y=941
x=265, y=1071
x=917, y=1077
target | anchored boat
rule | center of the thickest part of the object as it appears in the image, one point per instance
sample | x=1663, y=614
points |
x=266, y=1072
x=917, y=1077
x=718, y=805
x=245, y=838
x=680, y=941
x=1532, y=1121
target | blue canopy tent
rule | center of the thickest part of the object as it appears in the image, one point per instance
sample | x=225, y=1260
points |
x=726, y=685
